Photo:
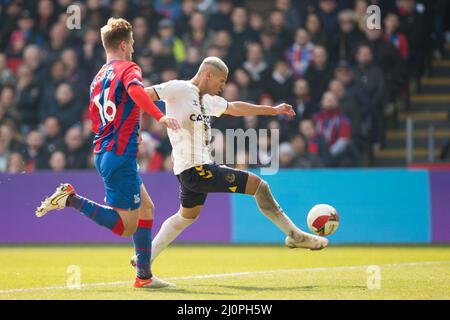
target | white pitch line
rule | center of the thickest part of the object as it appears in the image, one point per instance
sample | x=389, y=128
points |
x=224, y=275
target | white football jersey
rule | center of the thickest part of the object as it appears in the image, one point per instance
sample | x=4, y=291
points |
x=190, y=145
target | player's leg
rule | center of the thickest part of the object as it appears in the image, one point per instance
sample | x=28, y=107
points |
x=173, y=226
x=120, y=222
x=142, y=240
x=122, y=187
x=267, y=204
x=191, y=205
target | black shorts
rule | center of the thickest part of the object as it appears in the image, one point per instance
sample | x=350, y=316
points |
x=197, y=182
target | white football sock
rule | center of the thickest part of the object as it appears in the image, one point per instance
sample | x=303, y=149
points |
x=169, y=231
x=272, y=210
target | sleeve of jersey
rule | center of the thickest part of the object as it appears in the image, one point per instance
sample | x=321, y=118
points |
x=132, y=75
x=219, y=106
x=141, y=98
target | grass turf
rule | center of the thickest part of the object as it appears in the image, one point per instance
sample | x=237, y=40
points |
x=232, y=272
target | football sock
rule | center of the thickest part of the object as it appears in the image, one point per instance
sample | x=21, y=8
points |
x=142, y=240
x=170, y=229
x=102, y=215
x=272, y=210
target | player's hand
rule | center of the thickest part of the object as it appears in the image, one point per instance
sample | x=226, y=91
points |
x=285, y=109
x=170, y=123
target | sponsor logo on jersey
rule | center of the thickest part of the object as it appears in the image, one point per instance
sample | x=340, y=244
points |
x=200, y=117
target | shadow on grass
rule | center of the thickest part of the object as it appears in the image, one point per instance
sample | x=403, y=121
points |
x=169, y=291
x=296, y=288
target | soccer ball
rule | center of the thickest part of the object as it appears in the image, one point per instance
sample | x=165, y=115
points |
x=323, y=220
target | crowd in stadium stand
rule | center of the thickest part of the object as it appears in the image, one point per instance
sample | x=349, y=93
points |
x=345, y=82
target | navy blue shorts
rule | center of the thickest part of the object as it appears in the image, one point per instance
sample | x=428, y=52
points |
x=197, y=182
x=121, y=178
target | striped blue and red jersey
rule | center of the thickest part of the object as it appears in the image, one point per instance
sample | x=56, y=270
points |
x=115, y=116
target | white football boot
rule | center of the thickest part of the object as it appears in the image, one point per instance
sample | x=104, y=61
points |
x=305, y=240
x=57, y=201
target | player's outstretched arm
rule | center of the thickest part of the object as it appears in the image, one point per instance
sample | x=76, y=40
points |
x=239, y=108
x=142, y=99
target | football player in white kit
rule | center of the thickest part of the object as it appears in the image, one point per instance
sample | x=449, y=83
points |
x=192, y=103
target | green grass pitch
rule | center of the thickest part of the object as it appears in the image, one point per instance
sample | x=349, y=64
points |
x=229, y=272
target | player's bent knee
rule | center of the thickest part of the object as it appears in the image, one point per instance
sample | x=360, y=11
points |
x=129, y=230
x=147, y=211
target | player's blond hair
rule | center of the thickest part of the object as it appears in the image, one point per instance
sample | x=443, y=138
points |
x=114, y=32
x=215, y=62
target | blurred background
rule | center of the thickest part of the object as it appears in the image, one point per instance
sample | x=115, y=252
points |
x=363, y=98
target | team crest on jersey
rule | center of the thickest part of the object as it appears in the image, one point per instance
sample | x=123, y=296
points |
x=231, y=177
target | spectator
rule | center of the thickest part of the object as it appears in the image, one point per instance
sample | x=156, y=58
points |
x=241, y=34
x=344, y=43
x=303, y=105
x=314, y=27
x=198, y=36
x=168, y=8
x=188, y=7
x=66, y=107
x=74, y=75
x=46, y=16
x=26, y=30
x=277, y=25
x=349, y=107
x=272, y=50
x=4, y=153
x=257, y=22
x=327, y=12
x=120, y=9
x=28, y=95
x=412, y=25
x=52, y=50
x=290, y=14
x=287, y=155
x=388, y=58
x=300, y=54
x=58, y=161
x=223, y=42
x=255, y=64
x=281, y=81
x=162, y=58
x=34, y=154
x=335, y=129
x=8, y=106
x=221, y=20
x=370, y=81
x=16, y=163
x=392, y=34
x=189, y=68
x=302, y=157
x=74, y=149
x=141, y=33
x=173, y=44
x=147, y=64
x=6, y=75
x=32, y=58
x=318, y=74
x=248, y=91
x=92, y=52
x=53, y=139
